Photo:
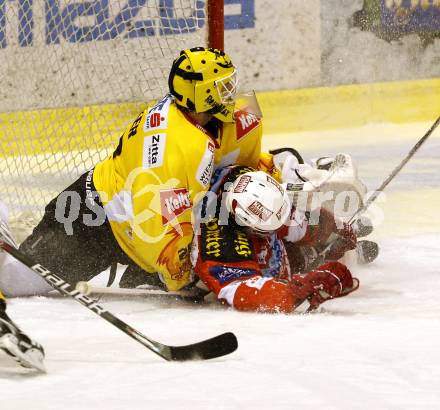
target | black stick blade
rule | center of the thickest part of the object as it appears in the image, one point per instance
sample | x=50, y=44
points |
x=217, y=346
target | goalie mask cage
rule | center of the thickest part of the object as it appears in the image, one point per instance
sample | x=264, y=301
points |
x=73, y=74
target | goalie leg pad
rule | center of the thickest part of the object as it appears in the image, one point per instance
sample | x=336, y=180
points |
x=83, y=253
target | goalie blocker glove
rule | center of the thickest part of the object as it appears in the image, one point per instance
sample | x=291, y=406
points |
x=18, y=345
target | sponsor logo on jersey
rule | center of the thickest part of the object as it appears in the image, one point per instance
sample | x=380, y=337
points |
x=206, y=167
x=242, y=183
x=245, y=122
x=212, y=239
x=154, y=149
x=157, y=117
x=174, y=202
x=258, y=209
x=223, y=244
x=174, y=256
x=242, y=245
x=226, y=274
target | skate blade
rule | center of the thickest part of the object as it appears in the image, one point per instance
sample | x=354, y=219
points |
x=33, y=358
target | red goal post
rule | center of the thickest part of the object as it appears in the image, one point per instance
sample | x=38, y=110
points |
x=216, y=17
x=74, y=73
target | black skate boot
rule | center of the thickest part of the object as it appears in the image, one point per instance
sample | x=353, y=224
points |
x=362, y=226
x=366, y=251
x=16, y=344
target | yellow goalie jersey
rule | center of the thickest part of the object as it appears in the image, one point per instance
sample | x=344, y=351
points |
x=158, y=172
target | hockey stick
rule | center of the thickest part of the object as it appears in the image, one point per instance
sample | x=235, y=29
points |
x=396, y=170
x=193, y=294
x=207, y=349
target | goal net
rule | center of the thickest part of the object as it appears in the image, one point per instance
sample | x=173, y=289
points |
x=73, y=74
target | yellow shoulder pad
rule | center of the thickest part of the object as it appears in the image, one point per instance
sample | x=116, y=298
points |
x=266, y=164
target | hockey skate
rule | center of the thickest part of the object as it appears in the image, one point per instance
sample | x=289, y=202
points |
x=19, y=346
x=366, y=252
x=362, y=226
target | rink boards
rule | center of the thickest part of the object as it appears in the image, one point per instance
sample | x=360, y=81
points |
x=284, y=111
x=318, y=120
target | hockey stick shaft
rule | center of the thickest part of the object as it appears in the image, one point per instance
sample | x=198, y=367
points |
x=88, y=289
x=396, y=170
x=218, y=346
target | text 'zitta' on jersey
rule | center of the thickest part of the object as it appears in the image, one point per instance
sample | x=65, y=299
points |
x=154, y=149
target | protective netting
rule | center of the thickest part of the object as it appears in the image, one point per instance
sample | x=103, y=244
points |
x=73, y=74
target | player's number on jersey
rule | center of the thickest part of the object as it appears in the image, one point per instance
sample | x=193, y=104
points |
x=131, y=133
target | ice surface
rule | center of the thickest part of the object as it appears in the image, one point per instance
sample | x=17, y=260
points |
x=376, y=349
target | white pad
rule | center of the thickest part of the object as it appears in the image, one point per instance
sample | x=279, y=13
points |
x=288, y=167
x=17, y=279
x=4, y=213
x=340, y=182
x=348, y=191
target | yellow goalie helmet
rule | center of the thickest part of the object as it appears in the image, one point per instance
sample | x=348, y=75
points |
x=205, y=80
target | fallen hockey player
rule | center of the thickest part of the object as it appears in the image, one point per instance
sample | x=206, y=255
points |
x=255, y=252
x=229, y=257
x=15, y=280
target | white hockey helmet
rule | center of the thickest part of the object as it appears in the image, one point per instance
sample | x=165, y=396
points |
x=258, y=201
